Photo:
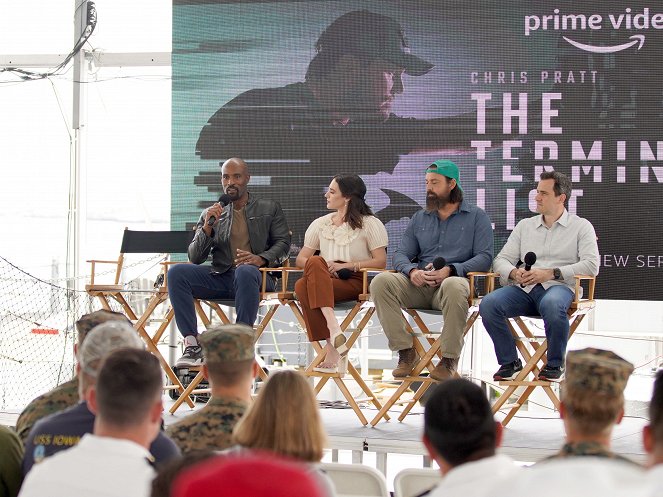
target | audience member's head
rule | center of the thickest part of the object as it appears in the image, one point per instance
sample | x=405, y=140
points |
x=88, y=321
x=99, y=342
x=592, y=393
x=653, y=433
x=458, y=424
x=163, y=483
x=229, y=352
x=255, y=475
x=284, y=419
x=127, y=395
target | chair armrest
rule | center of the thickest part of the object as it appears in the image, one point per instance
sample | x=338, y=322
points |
x=490, y=281
x=102, y=262
x=579, y=278
x=284, y=270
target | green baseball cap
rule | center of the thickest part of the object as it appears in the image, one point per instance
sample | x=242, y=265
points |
x=445, y=168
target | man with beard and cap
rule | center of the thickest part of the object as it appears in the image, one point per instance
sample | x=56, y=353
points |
x=450, y=228
x=247, y=234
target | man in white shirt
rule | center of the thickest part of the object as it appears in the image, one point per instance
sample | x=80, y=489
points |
x=537, y=267
x=115, y=460
x=462, y=436
x=652, y=436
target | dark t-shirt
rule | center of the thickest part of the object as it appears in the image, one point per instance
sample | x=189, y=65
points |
x=64, y=429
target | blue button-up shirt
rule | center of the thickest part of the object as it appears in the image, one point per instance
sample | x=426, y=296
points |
x=464, y=239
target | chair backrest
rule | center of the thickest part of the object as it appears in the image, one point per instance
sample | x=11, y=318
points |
x=411, y=482
x=356, y=480
x=145, y=242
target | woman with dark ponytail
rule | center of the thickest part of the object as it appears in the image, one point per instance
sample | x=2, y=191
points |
x=348, y=239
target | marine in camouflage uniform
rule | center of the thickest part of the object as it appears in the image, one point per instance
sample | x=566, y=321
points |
x=65, y=395
x=210, y=428
x=601, y=376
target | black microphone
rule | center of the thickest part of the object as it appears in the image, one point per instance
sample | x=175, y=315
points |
x=438, y=263
x=343, y=274
x=224, y=200
x=530, y=259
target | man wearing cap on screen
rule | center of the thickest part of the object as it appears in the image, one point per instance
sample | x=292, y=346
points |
x=300, y=133
x=448, y=228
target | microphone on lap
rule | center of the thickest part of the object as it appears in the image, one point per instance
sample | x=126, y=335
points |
x=530, y=259
x=438, y=263
x=343, y=274
x=224, y=200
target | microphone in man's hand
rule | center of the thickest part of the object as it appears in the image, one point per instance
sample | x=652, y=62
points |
x=530, y=259
x=224, y=200
x=438, y=263
x=343, y=274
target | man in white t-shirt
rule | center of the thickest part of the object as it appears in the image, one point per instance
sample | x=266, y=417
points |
x=115, y=460
x=462, y=436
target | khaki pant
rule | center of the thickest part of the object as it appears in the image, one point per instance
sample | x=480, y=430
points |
x=393, y=291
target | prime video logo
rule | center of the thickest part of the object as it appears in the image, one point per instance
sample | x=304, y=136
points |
x=628, y=20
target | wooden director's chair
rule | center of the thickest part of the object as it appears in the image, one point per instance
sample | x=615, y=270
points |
x=426, y=338
x=268, y=301
x=354, y=309
x=143, y=242
x=533, y=349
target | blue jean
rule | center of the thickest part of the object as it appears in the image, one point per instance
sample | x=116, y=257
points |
x=189, y=281
x=551, y=304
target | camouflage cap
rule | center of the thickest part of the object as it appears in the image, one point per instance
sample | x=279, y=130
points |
x=228, y=343
x=104, y=339
x=596, y=370
x=89, y=321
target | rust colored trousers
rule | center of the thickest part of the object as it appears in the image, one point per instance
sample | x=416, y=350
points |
x=317, y=288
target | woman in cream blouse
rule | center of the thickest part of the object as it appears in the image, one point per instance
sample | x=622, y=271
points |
x=348, y=239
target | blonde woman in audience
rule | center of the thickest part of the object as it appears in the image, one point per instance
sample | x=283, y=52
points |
x=284, y=420
x=348, y=239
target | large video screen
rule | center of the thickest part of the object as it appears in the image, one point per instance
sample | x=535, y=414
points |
x=505, y=89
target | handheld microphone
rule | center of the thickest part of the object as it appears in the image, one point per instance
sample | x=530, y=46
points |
x=343, y=274
x=224, y=200
x=530, y=259
x=438, y=263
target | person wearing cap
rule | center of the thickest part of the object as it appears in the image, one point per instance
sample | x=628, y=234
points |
x=462, y=436
x=114, y=460
x=255, y=475
x=592, y=402
x=563, y=245
x=66, y=394
x=63, y=430
x=341, y=115
x=450, y=228
x=11, y=449
x=247, y=234
x=347, y=240
x=230, y=368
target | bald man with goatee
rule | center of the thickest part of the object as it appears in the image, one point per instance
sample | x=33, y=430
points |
x=246, y=234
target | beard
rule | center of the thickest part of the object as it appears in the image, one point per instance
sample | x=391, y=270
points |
x=233, y=193
x=436, y=202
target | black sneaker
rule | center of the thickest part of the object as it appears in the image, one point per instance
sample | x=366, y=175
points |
x=193, y=356
x=508, y=371
x=551, y=373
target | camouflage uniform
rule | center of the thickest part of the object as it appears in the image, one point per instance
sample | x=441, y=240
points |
x=211, y=427
x=10, y=462
x=594, y=372
x=65, y=395
x=594, y=449
x=60, y=398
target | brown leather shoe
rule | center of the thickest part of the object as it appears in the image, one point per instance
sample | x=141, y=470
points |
x=407, y=360
x=445, y=369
